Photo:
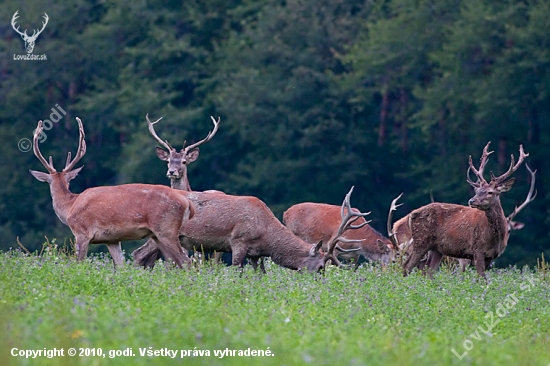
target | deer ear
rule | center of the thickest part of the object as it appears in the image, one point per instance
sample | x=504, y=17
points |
x=72, y=174
x=43, y=177
x=162, y=155
x=505, y=186
x=192, y=155
x=382, y=246
x=514, y=225
x=315, y=248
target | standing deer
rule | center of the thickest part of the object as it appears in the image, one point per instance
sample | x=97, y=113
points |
x=314, y=222
x=109, y=215
x=479, y=232
x=178, y=161
x=402, y=232
x=245, y=226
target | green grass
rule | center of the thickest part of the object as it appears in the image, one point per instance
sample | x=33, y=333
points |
x=370, y=316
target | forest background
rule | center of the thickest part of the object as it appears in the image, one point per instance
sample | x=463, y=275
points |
x=314, y=96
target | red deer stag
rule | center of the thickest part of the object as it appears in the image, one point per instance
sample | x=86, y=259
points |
x=479, y=232
x=178, y=161
x=314, y=222
x=245, y=226
x=402, y=232
x=512, y=225
x=109, y=215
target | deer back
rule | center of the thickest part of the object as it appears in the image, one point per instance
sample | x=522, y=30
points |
x=314, y=222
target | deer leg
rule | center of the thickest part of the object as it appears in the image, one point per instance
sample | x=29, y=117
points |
x=147, y=254
x=81, y=247
x=116, y=253
x=172, y=250
x=239, y=254
x=412, y=261
x=433, y=262
x=217, y=257
x=479, y=260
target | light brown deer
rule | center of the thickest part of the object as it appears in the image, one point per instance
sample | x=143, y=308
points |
x=109, y=215
x=314, y=222
x=245, y=226
x=178, y=161
x=479, y=232
x=402, y=231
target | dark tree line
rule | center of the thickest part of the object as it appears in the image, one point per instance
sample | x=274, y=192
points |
x=314, y=96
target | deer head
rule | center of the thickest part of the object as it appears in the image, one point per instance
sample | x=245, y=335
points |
x=349, y=216
x=178, y=161
x=67, y=174
x=487, y=194
x=29, y=40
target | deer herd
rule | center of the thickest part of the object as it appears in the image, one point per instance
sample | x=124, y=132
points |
x=177, y=220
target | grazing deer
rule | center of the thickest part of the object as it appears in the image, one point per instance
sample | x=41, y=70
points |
x=178, y=161
x=479, y=232
x=245, y=226
x=314, y=222
x=109, y=215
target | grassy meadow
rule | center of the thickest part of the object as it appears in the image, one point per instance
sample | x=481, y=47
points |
x=372, y=316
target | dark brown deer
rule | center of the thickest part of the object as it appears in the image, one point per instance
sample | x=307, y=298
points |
x=314, y=222
x=178, y=161
x=245, y=226
x=479, y=232
x=109, y=215
x=402, y=231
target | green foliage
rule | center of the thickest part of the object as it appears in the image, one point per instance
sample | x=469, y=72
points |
x=369, y=316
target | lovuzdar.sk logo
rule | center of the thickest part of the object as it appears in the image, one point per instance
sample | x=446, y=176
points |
x=29, y=40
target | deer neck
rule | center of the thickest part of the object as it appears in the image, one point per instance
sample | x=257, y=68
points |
x=498, y=225
x=288, y=250
x=181, y=184
x=62, y=199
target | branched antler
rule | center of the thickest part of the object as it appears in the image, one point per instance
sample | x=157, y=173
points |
x=479, y=172
x=349, y=216
x=391, y=234
x=154, y=134
x=207, y=138
x=530, y=196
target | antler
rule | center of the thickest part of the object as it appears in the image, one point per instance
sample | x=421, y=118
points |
x=13, y=19
x=530, y=196
x=154, y=134
x=24, y=34
x=36, y=150
x=513, y=168
x=81, y=149
x=207, y=138
x=349, y=216
x=34, y=36
x=391, y=233
x=479, y=172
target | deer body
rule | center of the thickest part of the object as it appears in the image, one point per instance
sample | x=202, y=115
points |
x=314, y=222
x=404, y=236
x=245, y=226
x=119, y=213
x=479, y=232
